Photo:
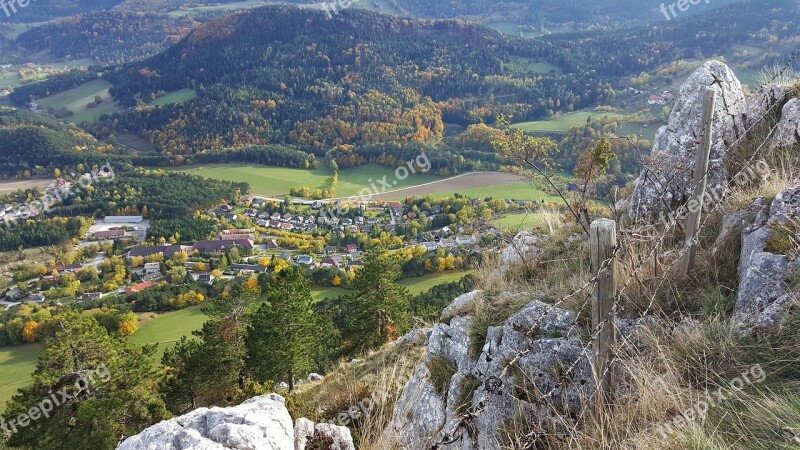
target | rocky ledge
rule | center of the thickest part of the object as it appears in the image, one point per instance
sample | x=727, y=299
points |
x=261, y=423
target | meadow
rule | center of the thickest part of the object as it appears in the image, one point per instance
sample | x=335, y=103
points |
x=276, y=181
x=78, y=98
x=561, y=123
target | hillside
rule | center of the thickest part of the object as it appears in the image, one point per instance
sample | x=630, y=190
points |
x=280, y=74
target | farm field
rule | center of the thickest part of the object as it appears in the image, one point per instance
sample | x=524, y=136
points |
x=562, y=123
x=77, y=98
x=512, y=188
x=276, y=181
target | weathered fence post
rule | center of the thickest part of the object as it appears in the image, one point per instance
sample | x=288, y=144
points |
x=695, y=205
x=603, y=240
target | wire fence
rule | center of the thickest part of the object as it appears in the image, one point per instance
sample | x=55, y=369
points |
x=640, y=232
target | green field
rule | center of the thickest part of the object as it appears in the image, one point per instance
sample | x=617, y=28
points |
x=521, y=221
x=9, y=79
x=76, y=100
x=182, y=96
x=562, y=123
x=16, y=365
x=519, y=190
x=166, y=329
x=419, y=285
x=276, y=181
x=193, y=11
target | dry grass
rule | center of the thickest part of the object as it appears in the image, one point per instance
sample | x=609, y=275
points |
x=360, y=394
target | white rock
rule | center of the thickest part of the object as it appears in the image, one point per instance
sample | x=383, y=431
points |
x=261, y=423
x=788, y=132
x=669, y=178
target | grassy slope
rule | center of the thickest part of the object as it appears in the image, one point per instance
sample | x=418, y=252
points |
x=560, y=124
x=77, y=98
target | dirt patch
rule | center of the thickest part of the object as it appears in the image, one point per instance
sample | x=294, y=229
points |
x=13, y=185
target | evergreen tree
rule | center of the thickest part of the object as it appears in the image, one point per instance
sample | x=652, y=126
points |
x=282, y=339
x=378, y=310
x=95, y=387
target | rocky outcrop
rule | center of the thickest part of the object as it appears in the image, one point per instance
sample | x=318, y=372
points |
x=452, y=380
x=523, y=246
x=261, y=423
x=669, y=177
x=788, y=132
x=768, y=259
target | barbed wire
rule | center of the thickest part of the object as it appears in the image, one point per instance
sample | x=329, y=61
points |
x=493, y=384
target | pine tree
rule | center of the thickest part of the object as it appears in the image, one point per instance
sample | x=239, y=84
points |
x=282, y=339
x=379, y=308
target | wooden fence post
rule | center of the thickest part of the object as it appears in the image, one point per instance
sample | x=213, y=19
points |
x=695, y=205
x=603, y=240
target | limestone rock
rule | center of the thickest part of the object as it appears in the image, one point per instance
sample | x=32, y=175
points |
x=261, y=423
x=762, y=296
x=308, y=435
x=669, y=177
x=788, y=132
x=524, y=246
x=763, y=103
x=315, y=377
x=548, y=336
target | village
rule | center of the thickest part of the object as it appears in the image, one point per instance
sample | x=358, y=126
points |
x=250, y=236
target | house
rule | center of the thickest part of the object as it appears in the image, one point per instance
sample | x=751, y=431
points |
x=354, y=255
x=248, y=268
x=109, y=234
x=207, y=278
x=210, y=247
x=13, y=293
x=272, y=244
x=36, y=297
x=136, y=288
x=274, y=224
x=351, y=248
x=430, y=246
x=275, y=216
x=656, y=100
x=151, y=268
x=330, y=249
x=232, y=237
x=286, y=217
x=305, y=259
x=328, y=262
x=90, y=296
x=394, y=205
x=66, y=268
x=258, y=202
x=123, y=219
x=465, y=240
x=353, y=265
x=286, y=226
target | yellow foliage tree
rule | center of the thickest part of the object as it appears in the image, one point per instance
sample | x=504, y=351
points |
x=29, y=331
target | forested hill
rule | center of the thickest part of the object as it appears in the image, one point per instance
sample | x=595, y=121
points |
x=282, y=74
